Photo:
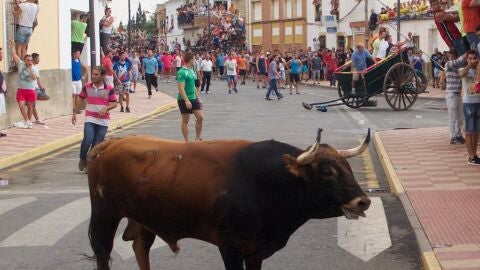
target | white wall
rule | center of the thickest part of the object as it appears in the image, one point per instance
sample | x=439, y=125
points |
x=171, y=10
x=65, y=9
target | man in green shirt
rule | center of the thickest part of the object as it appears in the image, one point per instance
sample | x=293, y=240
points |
x=78, y=33
x=189, y=98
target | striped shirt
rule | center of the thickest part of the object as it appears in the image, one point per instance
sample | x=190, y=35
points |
x=454, y=81
x=96, y=99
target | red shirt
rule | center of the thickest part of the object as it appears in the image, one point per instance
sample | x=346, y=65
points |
x=107, y=65
x=471, y=16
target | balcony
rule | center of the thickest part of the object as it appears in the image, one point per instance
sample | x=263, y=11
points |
x=194, y=20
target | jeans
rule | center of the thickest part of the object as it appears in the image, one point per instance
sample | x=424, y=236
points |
x=473, y=39
x=104, y=40
x=455, y=114
x=93, y=134
x=150, y=79
x=273, y=87
x=207, y=75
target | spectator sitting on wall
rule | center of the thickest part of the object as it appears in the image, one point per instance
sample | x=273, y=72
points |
x=372, y=23
x=27, y=16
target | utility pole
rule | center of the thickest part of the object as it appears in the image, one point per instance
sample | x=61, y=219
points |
x=92, y=26
x=129, y=26
x=398, y=20
x=367, y=30
x=208, y=26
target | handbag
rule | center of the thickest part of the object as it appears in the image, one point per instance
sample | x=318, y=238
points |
x=42, y=95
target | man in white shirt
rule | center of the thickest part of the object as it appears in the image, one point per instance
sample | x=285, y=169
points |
x=231, y=67
x=178, y=61
x=107, y=27
x=26, y=21
x=206, y=67
x=39, y=88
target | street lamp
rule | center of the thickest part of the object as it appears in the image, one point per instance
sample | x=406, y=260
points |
x=129, y=26
x=93, y=53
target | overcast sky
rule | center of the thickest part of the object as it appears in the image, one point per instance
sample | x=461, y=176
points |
x=120, y=8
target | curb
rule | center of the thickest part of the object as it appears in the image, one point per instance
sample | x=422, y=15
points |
x=72, y=139
x=429, y=259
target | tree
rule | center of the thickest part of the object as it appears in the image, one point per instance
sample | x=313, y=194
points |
x=150, y=25
x=140, y=18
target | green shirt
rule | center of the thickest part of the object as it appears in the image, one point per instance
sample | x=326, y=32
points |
x=187, y=76
x=78, y=31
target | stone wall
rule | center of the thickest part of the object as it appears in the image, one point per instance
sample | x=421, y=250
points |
x=58, y=84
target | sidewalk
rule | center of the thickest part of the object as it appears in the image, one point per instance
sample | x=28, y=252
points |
x=432, y=92
x=24, y=144
x=440, y=193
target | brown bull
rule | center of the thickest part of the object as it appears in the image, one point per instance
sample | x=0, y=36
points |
x=245, y=197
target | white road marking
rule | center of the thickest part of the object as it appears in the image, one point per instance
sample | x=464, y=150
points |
x=47, y=230
x=360, y=118
x=124, y=248
x=43, y=191
x=9, y=204
x=366, y=237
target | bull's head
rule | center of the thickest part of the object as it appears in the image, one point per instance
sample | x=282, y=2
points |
x=331, y=184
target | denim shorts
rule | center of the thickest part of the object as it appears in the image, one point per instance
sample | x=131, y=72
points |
x=23, y=34
x=472, y=117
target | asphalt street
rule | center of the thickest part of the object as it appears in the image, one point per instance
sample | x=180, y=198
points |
x=44, y=213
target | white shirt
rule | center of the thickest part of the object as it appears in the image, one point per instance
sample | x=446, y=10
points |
x=36, y=70
x=28, y=15
x=178, y=61
x=231, y=66
x=207, y=65
x=107, y=29
x=382, y=49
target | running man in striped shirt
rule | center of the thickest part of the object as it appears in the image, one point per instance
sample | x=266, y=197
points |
x=100, y=99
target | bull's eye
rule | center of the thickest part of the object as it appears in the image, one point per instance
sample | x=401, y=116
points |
x=329, y=172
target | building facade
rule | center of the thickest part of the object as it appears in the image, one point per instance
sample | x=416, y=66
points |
x=174, y=34
x=52, y=41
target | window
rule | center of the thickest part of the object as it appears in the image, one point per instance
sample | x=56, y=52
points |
x=288, y=8
x=299, y=8
x=322, y=40
x=257, y=7
x=416, y=43
x=317, y=4
x=341, y=42
x=275, y=9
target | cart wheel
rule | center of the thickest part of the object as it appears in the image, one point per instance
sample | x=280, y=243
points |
x=352, y=100
x=401, y=86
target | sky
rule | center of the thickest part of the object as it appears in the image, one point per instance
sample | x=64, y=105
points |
x=120, y=8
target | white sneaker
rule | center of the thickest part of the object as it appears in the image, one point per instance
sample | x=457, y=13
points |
x=29, y=124
x=20, y=124
x=40, y=122
x=164, y=81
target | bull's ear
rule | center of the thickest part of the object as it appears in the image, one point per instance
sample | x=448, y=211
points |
x=292, y=165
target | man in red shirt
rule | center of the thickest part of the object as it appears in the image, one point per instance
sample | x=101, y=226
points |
x=471, y=20
x=107, y=64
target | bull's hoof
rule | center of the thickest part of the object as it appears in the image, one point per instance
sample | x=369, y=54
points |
x=307, y=106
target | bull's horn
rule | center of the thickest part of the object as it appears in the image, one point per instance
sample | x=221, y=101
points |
x=357, y=150
x=307, y=157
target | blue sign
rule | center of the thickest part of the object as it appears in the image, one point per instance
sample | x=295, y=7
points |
x=331, y=29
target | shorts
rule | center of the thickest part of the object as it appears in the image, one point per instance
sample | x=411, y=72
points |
x=109, y=80
x=135, y=74
x=283, y=75
x=196, y=105
x=355, y=76
x=305, y=69
x=472, y=117
x=122, y=88
x=23, y=34
x=160, y=68
x=231, y=77
x=76, y=87
x=436, y=72
x=242, y=72
x=167, y=70
x=294, y=77
x=27, y=95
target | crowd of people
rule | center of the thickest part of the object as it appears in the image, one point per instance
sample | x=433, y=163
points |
x=274, y=71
